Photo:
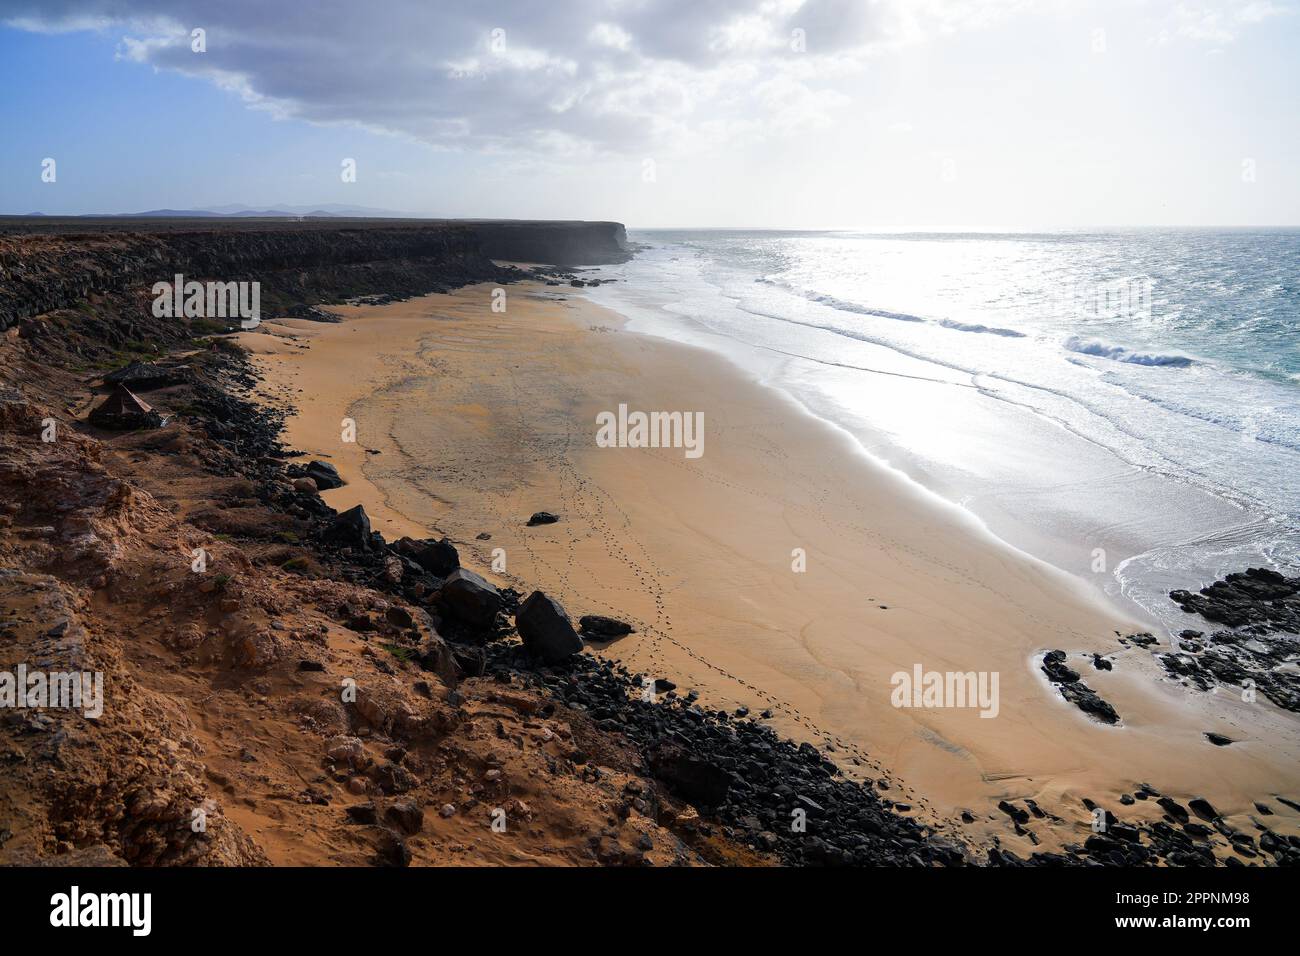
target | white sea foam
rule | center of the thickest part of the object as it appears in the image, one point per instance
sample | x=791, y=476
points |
x=1119, y=353
x=1160, y=433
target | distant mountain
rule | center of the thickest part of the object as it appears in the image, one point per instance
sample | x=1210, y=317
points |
x=239, y=211
x=165, y=214
x=327, y=209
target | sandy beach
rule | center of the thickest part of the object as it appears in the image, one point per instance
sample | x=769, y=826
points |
x=781, y=569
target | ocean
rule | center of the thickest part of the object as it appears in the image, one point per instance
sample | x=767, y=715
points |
x=1124, y=405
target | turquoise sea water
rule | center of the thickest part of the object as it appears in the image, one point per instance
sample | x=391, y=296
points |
x=1124, y=404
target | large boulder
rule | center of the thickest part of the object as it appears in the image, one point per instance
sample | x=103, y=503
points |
x=351, y=529
x=470, y=599
x=439, y=558
x=324, y=474
x=547, y=632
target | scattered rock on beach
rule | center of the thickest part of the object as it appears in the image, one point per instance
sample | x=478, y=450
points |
x=603, y=627
x=1017, y=814
x=324, y=474
x=542, y=517
x=1255, y=596
x=1174, y=809
x=1074, y=690
x=1261, y=610
x=1055, y=668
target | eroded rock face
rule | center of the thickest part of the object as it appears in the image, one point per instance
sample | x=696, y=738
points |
x=127, y=778
x=298, y=263
x=546, y=630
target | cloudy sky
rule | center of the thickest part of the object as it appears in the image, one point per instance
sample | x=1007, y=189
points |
x=780, y=113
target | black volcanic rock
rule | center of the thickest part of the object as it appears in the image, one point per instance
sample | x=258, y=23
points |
x=699, y=781
x=1016, y=813
x=1174, y=809
x=542, y=517
x=470, y=598
x=351, y=529
x=324, y=474
x=439, y=558
x=1256, y=596
x=1056, y=670
x=1261, y=609
x=546, y=630
x=144, y=376
x=604, y=628
x=1088, y=701
x=1074, y=690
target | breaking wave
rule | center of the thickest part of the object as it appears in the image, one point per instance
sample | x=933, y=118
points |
x=1117, y=353
x=975, y=327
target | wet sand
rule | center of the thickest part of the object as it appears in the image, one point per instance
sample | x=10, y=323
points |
x=481, y=418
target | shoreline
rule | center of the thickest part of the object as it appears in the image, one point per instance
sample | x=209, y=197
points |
x=506, y=446
x=1042, y=455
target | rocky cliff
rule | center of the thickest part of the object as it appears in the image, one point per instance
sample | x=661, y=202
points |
x=49, y=264
x=553, y=243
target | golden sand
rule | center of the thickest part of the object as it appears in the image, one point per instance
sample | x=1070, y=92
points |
x=480, y=419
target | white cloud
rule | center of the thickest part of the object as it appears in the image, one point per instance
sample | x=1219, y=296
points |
x=583, y=76
x=1220, y=22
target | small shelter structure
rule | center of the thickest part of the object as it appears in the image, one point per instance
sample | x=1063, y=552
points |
x=124, y=410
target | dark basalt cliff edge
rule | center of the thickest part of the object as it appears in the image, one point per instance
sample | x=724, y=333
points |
x=554, y=243
x=49, y=264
